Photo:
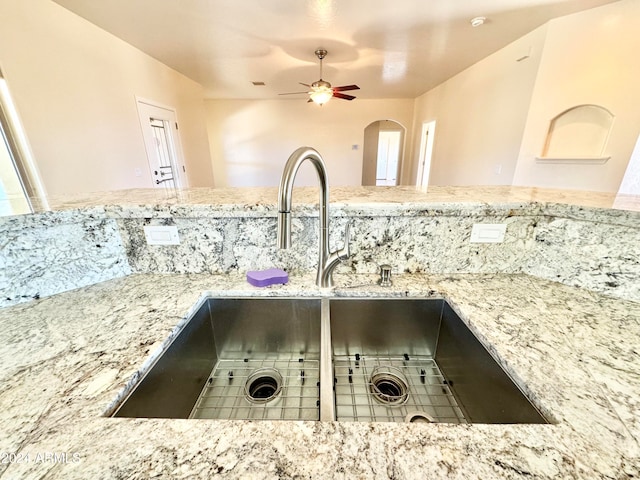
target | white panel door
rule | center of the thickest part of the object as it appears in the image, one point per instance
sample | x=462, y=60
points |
x=162, y=142
x=388, y=155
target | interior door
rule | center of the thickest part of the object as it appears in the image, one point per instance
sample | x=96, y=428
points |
x=162, y=143
x=388, y=155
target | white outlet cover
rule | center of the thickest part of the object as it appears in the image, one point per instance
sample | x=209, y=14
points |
x=162, y=235
x=488, y=232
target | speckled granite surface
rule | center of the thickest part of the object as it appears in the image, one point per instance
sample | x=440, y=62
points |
x=581, y=242
x=256, y=197
x=66, y=357
x=44, y=254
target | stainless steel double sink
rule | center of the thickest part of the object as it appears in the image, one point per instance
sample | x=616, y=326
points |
x=335, y=358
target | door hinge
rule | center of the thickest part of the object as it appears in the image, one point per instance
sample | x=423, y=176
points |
x=176, y=125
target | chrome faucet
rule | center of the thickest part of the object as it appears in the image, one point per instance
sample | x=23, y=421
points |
x=327, y=261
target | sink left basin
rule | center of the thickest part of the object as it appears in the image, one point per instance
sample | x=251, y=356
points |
x=236, y=358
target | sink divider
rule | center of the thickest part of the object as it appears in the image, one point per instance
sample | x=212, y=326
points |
x=327, y=405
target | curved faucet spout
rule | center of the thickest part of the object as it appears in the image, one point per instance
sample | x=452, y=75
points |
x=327, y=260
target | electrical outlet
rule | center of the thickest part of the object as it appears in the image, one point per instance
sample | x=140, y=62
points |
x=488, y=232
x=162, y=235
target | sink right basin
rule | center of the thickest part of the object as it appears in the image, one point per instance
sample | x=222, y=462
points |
x=415, y=360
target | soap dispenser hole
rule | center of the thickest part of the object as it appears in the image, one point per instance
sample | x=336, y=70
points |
x=419, y=417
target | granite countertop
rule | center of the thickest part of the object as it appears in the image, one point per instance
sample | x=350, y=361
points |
x=252, y=201
x=346, y=195
x=66, y=357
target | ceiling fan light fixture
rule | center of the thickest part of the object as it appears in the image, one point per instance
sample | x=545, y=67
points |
x=321, y=92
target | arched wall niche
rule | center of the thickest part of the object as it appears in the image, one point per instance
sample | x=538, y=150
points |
x=579, y=135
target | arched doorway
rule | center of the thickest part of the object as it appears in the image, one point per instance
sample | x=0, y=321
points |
x=382, y=153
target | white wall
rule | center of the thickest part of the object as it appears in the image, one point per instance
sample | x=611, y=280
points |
x=480, y=116
x=589, y=58
x=74, y=86
x=251, y=139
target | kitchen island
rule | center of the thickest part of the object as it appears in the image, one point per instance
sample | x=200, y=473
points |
x=67, y=357
x=570, y=344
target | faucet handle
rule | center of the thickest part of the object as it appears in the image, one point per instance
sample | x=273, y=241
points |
x=345, y=251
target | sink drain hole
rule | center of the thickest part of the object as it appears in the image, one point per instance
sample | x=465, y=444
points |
x=262, y=388
x=263, y=385
x=389, y=386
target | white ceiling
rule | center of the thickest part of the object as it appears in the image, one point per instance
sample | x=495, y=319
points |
x=390, y=48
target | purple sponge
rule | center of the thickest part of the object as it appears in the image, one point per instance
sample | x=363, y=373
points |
x=264, y=278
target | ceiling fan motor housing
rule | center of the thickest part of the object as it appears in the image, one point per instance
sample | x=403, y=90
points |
x=320, y=84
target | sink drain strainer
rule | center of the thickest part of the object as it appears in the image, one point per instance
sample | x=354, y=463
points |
x=263, y=385
x=388, y=385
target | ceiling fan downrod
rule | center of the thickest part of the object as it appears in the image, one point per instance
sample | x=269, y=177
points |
x=321, y=53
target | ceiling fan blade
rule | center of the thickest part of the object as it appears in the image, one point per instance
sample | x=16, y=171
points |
x=292, y=93
x=343, y=96
x=305, y=84
x=346, y=87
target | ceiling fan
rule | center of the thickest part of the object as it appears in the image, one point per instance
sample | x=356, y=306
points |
x=321, y=91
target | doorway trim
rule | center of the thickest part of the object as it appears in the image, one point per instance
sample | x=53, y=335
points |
x=426, y=151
